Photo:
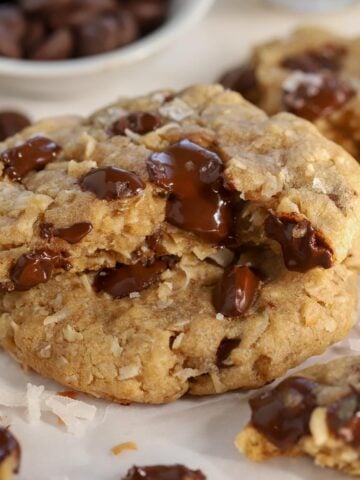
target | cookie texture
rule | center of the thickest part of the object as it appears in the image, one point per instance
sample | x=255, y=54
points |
x=319, y=409
x=156, y=248
x=313, y=73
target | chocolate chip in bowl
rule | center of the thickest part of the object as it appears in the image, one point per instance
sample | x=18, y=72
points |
x=55, y=48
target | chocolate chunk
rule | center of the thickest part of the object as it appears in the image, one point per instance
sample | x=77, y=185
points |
x=282, y=415
x=36, y=267
x=57, y=46
x=12, y=123
x=316, y=96
x=303, y=248
x=198, y=202
x=119, y=282
x=343, y=418
x=150, y=14
x=112, y=183
x=9, y=452
x=138, y=122
x=33, y=154
x=327, y=57
x=72, y=234
x=236, y=290
x=226, y=346
x=243, y=80
x=164, y=472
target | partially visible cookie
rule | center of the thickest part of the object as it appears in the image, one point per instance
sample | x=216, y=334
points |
x=313, y=73
x=316, y=412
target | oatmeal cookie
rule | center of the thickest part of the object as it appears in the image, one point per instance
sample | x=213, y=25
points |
x=173, y=243
x=315, y=413
x=313, y=73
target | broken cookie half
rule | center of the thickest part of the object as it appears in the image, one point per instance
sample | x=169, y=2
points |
x=316, y=413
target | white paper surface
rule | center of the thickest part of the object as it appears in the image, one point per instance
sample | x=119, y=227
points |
x=196, y=432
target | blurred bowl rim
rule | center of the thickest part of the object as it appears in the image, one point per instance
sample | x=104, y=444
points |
x=190, y=12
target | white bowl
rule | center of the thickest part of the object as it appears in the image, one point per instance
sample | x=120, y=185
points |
x=66, y=77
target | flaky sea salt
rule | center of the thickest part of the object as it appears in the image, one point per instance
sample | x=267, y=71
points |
x=219, y=316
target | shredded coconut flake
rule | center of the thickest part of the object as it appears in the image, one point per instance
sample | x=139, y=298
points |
x=130, y=371
x=33, y=399
x=297, y=78
x=187, y=373
x=86, y=283
x=177, y=110
x=218, y=386
x=116, y=349
x=134, y=295
x=132, y=135
x=220, y=316
x=71, y=335
x=56, y=317
x=178, y=340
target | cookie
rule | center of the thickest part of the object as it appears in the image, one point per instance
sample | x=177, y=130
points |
x=314, y=413
x=156, y=248
x=313, y=73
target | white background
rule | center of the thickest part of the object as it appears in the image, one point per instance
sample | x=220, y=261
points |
x=199, y=433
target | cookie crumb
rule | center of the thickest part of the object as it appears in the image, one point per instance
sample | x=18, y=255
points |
x=121, y=447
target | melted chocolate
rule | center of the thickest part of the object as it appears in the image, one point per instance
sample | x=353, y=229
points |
x=122, y=280
x=328, y=57
x=33, y=154
x=198, y=202
x=36, y=267
x=236, y=291
x=315, y=99
x=164, y=472
x=9, y=446
x=282, y=415
x=226, y=346
x=243, y=80
x=138, y=122
x=302, y=247
x=112, y=183
x=72, y=234
x=343, y=418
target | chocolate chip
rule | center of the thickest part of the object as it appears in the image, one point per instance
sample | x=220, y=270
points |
x=316, y=96
x=78, y=12
x=34, y=154
x=12, y=123
x=97, y=36
x=303, y=248
x=112, y=183
x=34, y=36
x=9, y=448
x=243, y=80
x=57, y=46
x=138, y=122
x=343, y=419
x=119, y=282
x=36, y=267
x=226, y=346
x=198, y=202
x=72, y=234
x=282, y=415
x=236, y=290
x=149, y=13
x=12, y=20
x=164, y=472
x=34, y=6
x=327, y=57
